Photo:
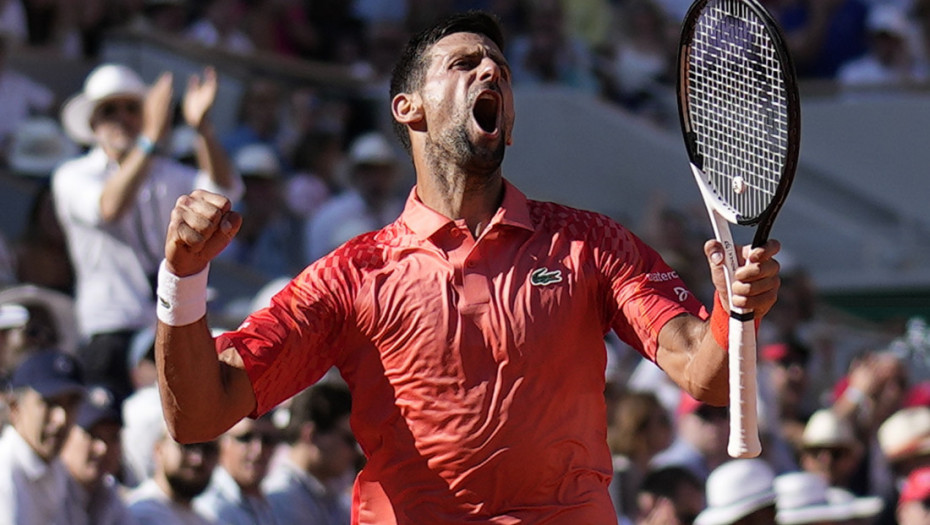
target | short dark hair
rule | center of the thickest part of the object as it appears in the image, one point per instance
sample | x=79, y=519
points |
x=323, y=404
x=667, y=481
x=410, y=69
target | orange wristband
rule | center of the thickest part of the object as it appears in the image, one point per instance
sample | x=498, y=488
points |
x=720, y=323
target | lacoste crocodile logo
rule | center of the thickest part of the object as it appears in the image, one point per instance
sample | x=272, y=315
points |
x=543, y=277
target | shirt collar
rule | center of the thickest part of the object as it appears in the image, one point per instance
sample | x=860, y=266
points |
x=33, y=466
x=425, y=222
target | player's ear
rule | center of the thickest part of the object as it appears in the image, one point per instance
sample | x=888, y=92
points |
x=407, y=109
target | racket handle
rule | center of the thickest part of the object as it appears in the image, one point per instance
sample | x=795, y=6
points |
x=744, y=420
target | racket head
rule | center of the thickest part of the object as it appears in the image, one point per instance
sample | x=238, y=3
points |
x=739, y=108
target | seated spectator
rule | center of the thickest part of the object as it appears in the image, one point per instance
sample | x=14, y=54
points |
x=784, y=366
x=13, y=318
x=702, y=434
x=93, y=456
x=891, y=59
x=309, y=484
x=740, y=492
x=20, y=97
x=547, y=54
x=52, y=322
x=830, y=449
x=259, y=119
x=266, y=242
x=220, y=27
x=182, y=472
x=234, y=496
x=806, y=498
x=45, y=391
x=914, y=505
x=669, y=496
x=369, y=204
x=639, y=429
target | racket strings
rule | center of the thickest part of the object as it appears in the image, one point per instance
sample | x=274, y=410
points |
x=738, y=106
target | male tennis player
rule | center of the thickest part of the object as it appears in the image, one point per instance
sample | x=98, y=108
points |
x=469, y=330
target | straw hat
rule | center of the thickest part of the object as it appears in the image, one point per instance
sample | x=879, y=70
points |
x=105, y=82
x=736, y=489
x=825, y=429
x=906, y=433
x=804, y=497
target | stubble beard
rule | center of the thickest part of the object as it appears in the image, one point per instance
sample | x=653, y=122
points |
x=455, y=154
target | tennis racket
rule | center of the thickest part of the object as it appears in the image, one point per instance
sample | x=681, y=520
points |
x=740, y=116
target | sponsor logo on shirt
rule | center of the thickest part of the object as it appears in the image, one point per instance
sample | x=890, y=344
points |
x=682, y=292
x=544, y=277
x=661, y=277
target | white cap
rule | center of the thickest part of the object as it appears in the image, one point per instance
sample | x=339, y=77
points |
x=105, y=82
x=826, y=429
x=371, y=148
x=735, y=490
x=804, y=497
x=13, y=316
x=257, y=160
x=906, y=433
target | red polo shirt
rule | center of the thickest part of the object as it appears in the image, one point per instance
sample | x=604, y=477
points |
x=476, y=365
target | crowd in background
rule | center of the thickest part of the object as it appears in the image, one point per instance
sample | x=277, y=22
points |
x=844, y=439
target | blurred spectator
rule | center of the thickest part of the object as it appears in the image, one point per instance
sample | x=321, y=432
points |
x=45, y=391
x=821, y=34
x=369, y=204
x=701, y=443
x=830, y=449
x=13, y=22
x=282, y=27
x=317, y=160
x=547, y=54
x=914, y=505
x=165, y=17
x=904, y=441
x=589, y=20
x=636, y=69
x=267, y=240
x=52, y=322
x=806, y=498
x=7, y=263
x=669, y=496
x=639, y=429
x=309, y=485
x=38, y=146
x=93, y=455
x=234, y=496
x=53, y=27
x=20, y=97
x=259, y=119
x=740, y=492
x=42, y=257
x=182, y=472
x=891, y=59
x=220, y=26
x=114, y=202
x=13, y=318
x=783, y=366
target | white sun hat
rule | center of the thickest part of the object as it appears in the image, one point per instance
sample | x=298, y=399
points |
x=906, y=433
x=804, y=497
x=826, y=429
x=736, y=489
x=105, y=82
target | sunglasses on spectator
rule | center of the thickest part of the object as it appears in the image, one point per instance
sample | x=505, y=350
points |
x=111, y=108
x=205, y=449
x=835, y=453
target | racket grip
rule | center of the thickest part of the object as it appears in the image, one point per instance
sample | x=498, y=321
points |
x=744, y=420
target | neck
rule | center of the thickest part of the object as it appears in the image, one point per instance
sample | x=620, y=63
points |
x=461, y=195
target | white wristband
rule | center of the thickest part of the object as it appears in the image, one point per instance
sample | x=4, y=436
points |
x=181, y=300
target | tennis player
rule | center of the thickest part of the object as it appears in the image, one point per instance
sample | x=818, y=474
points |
x=470, y=330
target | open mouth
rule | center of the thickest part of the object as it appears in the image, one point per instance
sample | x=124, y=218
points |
x=487, y=110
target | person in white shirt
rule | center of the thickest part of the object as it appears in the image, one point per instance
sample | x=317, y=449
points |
x=234, y=496
x=92, y=455
x=44, y=393
x=369, y=204
x=114, y=203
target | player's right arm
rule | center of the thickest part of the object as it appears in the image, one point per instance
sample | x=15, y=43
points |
x=203, y=394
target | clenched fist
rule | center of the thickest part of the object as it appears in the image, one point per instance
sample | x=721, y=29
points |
x=202, y=224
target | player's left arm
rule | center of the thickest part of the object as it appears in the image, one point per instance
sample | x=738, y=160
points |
x=688, y=351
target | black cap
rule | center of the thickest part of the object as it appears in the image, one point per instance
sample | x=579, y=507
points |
x=98, y=405
x=50, y=373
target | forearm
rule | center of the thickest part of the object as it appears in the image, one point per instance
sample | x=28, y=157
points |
x=212, y=158
x=691, y=356
x=202, y=394
x=119, y=191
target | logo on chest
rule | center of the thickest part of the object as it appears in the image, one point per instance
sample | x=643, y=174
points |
x=545, y=277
